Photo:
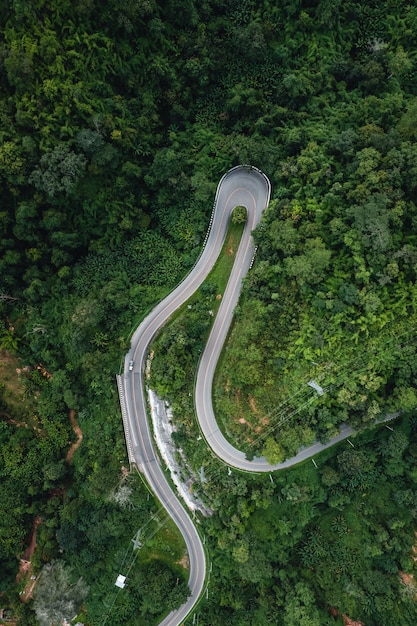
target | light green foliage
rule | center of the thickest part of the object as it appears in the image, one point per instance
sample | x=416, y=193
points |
x=58, y=171
x=116, y=121
x=58, y=597
x=300, y=608
x=273, y=451
x=239, y=215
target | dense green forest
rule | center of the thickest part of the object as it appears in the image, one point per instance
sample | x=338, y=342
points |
x=117, y=120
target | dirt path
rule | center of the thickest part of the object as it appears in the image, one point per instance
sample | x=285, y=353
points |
x=347, y=621
x=32, y=544
x=79, y=434
x=25, y=567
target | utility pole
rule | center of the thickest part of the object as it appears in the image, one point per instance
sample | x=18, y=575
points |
x=314, y=384
x=136, y=543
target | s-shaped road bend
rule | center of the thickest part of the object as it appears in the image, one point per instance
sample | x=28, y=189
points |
x=245, y=186
x=249, y=187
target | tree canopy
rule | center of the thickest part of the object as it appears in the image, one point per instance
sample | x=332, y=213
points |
x=116, y=121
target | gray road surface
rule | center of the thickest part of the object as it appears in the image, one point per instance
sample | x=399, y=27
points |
x=240, y=186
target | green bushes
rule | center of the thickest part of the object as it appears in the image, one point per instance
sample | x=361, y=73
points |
x=116, y=122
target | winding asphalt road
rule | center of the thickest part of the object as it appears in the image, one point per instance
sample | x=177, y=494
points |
x=242, y=185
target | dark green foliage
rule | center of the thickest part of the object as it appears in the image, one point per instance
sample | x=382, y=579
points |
x=332, y=293
x=57, y=596
x=317, y=548
x=116, y=122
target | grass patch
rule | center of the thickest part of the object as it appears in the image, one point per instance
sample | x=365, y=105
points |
x=168, y=547
x=160, y=537
x=177, y=347
x=221, y=271
x=17, y=399
x=13, y=390
x=216, y=282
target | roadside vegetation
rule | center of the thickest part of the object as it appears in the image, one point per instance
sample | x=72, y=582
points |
x=177, y=349
x=317, y=542
x=117, y=121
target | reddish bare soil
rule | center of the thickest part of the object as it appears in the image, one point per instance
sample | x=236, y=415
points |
x=253, y=405
x=25, y=567
x=79, y=434
x=408, y=579
x=346, y=619
x=184, y=562
x=32, y=544
x=350, y=622
x=414, y=549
